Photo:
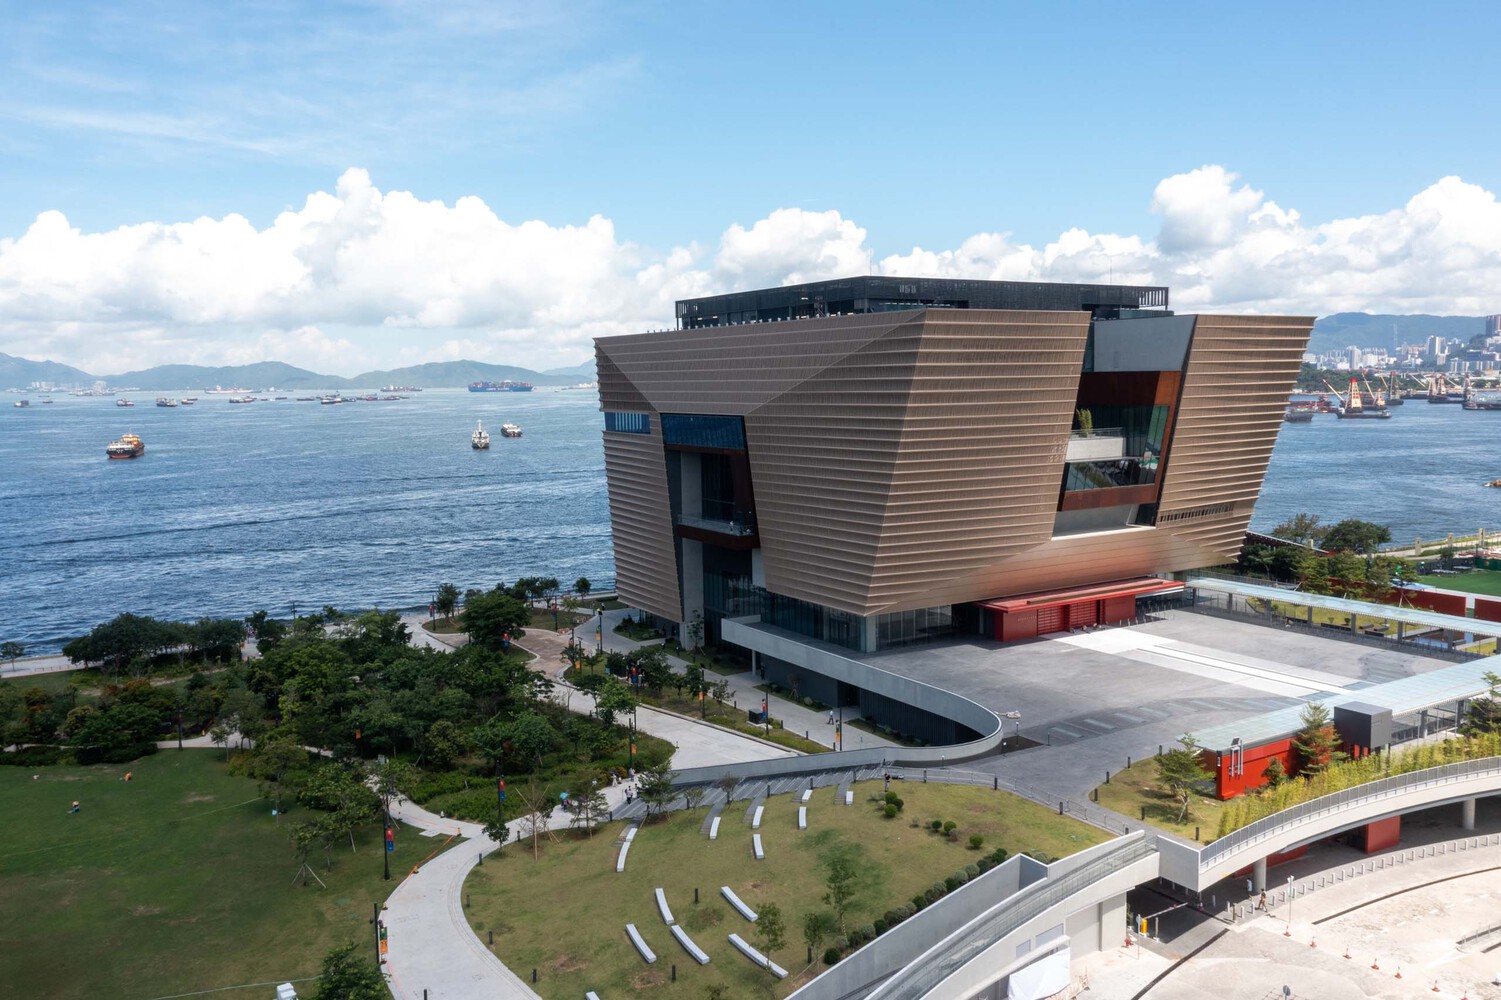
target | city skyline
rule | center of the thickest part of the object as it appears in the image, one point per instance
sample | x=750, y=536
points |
x=382, y=183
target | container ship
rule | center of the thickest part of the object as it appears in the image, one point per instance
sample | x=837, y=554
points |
x=504, y=386
x=129, y=446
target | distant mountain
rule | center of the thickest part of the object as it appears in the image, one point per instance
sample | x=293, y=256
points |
x=454, y=375
x=21, y=372
x=1333, y=333
x=578, y=373
x=262, y=375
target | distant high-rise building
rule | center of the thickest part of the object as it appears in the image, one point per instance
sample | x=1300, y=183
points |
x=1493, y=326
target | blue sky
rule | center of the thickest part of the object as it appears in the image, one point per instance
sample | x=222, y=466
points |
x=924, y=125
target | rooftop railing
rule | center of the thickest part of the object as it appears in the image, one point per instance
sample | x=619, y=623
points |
x=740, y=525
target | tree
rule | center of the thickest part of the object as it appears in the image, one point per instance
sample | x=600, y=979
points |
x=655, y=783
x=817, y=925
x=1317, y=743
x=693, y=796
x=840, y=878
x=696, y=629
x=612, y=699
x=446, y=599
x=1275, y=773
x=219, y=734
x=497, y=831
x=694, y=680
x=589, y=805
x=348, y=975
x=489, y=618
x=581, y=586
x=1354, y=535
x=652, y=668
x=443, y=742
x=1180, y=770
x=1301, y=528
x=1484, y=715
x=12, y=651
x=771, y=931
x=573, y=654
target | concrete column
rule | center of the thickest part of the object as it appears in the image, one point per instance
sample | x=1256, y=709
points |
x=1467, y=814
x=1258, y=875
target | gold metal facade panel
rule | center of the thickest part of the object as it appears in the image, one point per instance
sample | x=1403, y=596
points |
x=906, y=468
x=1241, y=370
x=646, y=573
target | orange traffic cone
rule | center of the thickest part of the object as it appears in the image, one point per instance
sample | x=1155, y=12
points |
x=1435, y=986
x=1375, y=965
x=1347, y=951
x=1313, y=942
x=1399, y=972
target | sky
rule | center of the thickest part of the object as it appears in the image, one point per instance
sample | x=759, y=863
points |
x=374, y=183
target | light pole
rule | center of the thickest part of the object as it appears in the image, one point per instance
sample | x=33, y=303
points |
x=1289, y=931
x=389, y=845
x=632, y=764
x=599, y=630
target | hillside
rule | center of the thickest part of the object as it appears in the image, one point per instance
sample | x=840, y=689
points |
x=1333, y=333
x=262, y=375
x=19, y=372
x=454, y=375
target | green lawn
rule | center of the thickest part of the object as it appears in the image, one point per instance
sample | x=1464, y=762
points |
x=565, y=913
x=1137, y=786
x=1485, y=582
x=176, y=881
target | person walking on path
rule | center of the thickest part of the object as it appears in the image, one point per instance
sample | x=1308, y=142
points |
x=1262, y=904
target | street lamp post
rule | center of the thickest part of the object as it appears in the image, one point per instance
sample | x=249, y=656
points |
x=1289, y=931
x=386, y=847
x=632, y=758
x=599, y=630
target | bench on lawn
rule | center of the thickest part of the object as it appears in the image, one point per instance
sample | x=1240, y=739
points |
x=714, y=829
x=738, y=903
x=807, y=794
x=625, y=848
x=802, y=817
x=756, y=844
x=755, y=956
x=663, y=908
x=756, y=820
x=849, y=798
x=688, y=945
x=591, y=995
x=640, y=943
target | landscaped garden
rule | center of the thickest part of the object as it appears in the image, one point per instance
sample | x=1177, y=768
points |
x=175, y=881
x=1485, y=582
x=564, y=912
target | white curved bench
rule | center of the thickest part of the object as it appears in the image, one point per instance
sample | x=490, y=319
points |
x=802, y=817
x=807, y=794
x=625, y=848
x=756, y=844
x=688, y=945
x=755, y=956
x=738, y=903
x=663, y=908
x=640, y=943
x=714, y=829
x=591, y=995
x=756, y=820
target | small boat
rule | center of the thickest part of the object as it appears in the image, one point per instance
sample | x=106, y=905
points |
x=45, y=401
x=480, y=439
x=129, y=446
x=331, y=399
x=123, y=402
x=24, y=403
x=1298, y=415
x=242, y=399
x=1494, y=484
x=165, y=401
x=189, y=400
x=510, y=430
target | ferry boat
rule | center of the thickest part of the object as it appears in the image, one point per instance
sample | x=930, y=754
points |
x=189, y=400
x=26, y=403
x=166, y=402
x=480, y=439
x=219, y=390
x=129, y=446
x=580, y=387
x=510, y=430
x=401, y=388
x=242, y=399
x=123, y=402
x=505, y=385
x=331, y=399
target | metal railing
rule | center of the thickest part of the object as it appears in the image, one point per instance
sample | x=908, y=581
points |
x=741, y=525
x=964, y=945
x=1097, y=432
x=1326, y=805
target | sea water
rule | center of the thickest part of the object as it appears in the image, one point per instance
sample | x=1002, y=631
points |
x=235, y=508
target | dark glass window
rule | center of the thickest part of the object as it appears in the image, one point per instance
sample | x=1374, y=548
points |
x=698, y=430
x=628, y=423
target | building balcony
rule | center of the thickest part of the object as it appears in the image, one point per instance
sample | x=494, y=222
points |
x=738, y=525
x=1096, y=445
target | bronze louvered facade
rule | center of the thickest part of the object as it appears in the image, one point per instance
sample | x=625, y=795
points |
x=913, y=459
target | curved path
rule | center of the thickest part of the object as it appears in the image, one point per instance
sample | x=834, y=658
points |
x=432, y=947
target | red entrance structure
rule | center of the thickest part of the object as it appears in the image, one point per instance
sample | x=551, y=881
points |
x=1030, y=615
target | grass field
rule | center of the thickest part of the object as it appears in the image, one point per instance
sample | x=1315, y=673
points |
x=1485, y=582
x=176, y=881
x=565, y=913
x=1137, y=786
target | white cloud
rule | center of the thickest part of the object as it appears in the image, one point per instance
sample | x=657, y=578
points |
x=359, y=278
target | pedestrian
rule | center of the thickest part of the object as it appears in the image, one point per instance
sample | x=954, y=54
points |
x=888, y=782
x=1250, y=888
x=1262, y=904
x=831, y=717
x=76, y=807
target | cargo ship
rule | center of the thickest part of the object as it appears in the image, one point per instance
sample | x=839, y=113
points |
x=129, y=446
x=503, y=386
x=401, y=388
x=480, y=439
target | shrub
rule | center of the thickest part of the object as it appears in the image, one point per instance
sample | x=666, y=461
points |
x=998, y=855
x=900, y=804
x=915, y=823
x=935, y=825
x=868, y=932
x=949, y=828
x=951, y=883
x=919, y=901
x=905, y=911
x=890, y=811
x=961, y=877
x=879, y=926
x=984, y=864
x=972, y=870
x=975, y=840
x=855, y=938
x=34, y=756
x=830, y=956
